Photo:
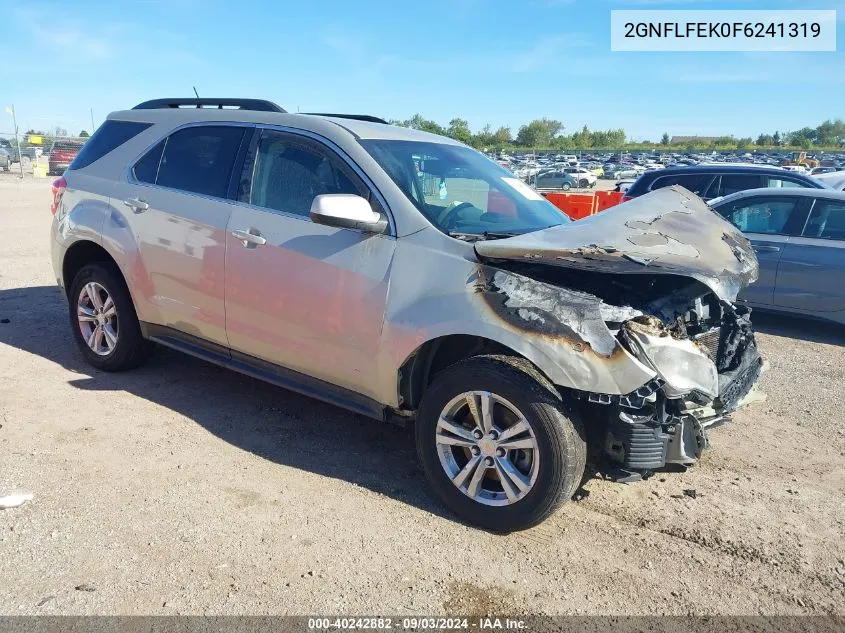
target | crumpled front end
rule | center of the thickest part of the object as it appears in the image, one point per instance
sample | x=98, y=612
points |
x=706, y=368
x=647, y=289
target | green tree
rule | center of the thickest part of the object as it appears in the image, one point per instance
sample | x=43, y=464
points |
x=831, y=132
x=538, y=133
x=484, y=138
x=459, y=130
x=417, y=122
x=84, y=134
x=665, y=139
x=776, y=139
x=502, y=137
x=805, y=137
x=764, y=140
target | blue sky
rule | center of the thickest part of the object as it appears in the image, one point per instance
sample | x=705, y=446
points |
x=501, y=62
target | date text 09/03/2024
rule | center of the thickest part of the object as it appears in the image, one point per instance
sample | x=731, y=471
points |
x=415, y=623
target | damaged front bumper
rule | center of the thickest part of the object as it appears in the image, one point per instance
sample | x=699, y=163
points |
x=702, y=379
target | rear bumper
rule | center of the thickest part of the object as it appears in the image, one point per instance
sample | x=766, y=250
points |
x=57, y=251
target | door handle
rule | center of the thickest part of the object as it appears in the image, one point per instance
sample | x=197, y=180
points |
x=136, y=204
x=766, y=249
x=249, y=238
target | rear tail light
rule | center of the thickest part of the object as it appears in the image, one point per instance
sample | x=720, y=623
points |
x=626, y=198
x=58, y=189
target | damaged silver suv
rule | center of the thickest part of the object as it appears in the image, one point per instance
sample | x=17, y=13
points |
x=406, y=277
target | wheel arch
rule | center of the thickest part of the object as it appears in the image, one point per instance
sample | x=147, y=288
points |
x=436, y=354
x=79, y=254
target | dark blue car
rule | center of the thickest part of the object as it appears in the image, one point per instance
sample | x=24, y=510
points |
x=717, y=180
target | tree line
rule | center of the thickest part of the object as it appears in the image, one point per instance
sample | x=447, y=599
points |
x=549, y=134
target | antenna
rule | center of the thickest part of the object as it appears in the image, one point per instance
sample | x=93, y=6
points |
x=195, y=91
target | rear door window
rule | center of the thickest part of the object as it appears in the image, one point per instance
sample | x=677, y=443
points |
x=784, y=182
x=697, y=183
x=826, y=221
x=146, y=169
x=770, y=216
x=110, y=135
x=731, y=183
x=200, y=159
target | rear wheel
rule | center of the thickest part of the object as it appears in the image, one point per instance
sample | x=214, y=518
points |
x=103, y=319
x=498, y=444
x=584, y=183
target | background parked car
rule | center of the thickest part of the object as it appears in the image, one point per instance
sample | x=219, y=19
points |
x=834, y=180
x=714, y=181
x=62, y=154
x=5, y=159
x=631, y=171
x=555, y=180
x=623, y=185
x=583, y=177
x=11, y=152
x=799, y=237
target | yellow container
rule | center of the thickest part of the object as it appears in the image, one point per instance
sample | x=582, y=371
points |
x=39, y=169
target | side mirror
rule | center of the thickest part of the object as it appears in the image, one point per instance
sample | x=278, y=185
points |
x=348, y=211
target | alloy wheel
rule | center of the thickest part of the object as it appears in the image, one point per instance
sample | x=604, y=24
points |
x=487, y=448
x=97, y=317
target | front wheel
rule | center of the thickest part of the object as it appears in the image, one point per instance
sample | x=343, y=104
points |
x=566, y=186
x=498, y=444
x=584, y=183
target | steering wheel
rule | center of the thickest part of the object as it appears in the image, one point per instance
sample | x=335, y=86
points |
x=446, y=215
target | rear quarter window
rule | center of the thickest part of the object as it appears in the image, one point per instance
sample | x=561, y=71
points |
x=109, y=136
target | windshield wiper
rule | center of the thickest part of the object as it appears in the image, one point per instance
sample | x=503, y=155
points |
x=486, y=235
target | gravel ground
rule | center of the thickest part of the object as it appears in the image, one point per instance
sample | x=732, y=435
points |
x=185, y=488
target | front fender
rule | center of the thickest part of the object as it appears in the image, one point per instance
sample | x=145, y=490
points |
x=561, y=331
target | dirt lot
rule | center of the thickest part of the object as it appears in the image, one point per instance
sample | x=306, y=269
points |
x=185, y=488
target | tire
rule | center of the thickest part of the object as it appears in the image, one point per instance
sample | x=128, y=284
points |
x=130, y=349
x=583, y=183
x=566, y=186
x=556, y=464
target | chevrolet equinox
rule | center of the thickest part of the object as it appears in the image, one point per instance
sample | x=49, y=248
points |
x=406, y=277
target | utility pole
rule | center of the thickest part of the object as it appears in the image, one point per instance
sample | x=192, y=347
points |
x=17, y=142
x=92, y=120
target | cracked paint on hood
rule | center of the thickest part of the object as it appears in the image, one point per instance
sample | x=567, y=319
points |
x=669, y=231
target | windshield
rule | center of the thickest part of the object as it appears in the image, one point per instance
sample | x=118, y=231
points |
x=461, y=192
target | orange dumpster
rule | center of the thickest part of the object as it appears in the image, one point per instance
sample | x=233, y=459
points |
x=575, y=205
x=607, y=199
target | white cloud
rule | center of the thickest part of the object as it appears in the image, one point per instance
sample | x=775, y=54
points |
x=66, y=38
x=546, y=51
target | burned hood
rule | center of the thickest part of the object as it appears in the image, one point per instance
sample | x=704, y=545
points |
x=669, y=231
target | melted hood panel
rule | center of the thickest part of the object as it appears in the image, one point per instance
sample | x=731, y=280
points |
x=669, y=231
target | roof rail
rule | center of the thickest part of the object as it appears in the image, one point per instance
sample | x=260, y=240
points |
x=260, y=105
x=357, y=117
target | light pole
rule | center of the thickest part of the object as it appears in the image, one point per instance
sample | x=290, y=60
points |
x=17, y=142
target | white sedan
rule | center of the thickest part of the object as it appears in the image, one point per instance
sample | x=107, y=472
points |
x=582, y=176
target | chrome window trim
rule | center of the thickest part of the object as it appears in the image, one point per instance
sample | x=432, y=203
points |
x=129, y=174
x=329, y=144
x=807, y=219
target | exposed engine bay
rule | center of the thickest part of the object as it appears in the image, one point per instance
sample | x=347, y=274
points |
x=700, y=347
x=647, y=297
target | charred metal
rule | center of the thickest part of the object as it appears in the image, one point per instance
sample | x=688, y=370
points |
x=652, y=297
